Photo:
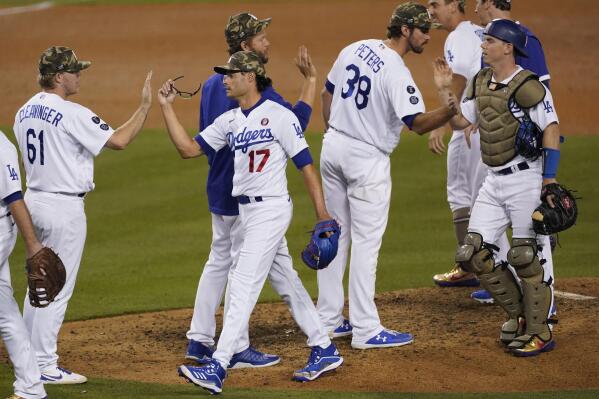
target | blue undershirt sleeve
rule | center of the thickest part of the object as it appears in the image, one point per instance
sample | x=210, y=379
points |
x=17, y=195
x=302, y=158
x=209, y=151
x=408, y=120
x=303, y=112
x=329, y=86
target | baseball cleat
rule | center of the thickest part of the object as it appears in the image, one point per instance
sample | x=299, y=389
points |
x=343, y=330
x=385, y=339
x=322, y=360
x=199, y=352
x=252, y=358
x=534, y=346
x=482, y=296
x=209, y=377
x=456, y=277
x=60, y=376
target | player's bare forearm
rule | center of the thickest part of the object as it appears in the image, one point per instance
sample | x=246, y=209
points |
x=125, y=134
x=327, y=99
x=458, y=84
x=308, y=92
x=308, y=71
x=185, y=145
x=424, y=123
x=312, y=183
x=23, y=220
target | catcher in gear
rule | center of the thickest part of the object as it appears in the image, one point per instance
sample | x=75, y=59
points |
x=46, y=276
x=501, y=98
x=323, y=245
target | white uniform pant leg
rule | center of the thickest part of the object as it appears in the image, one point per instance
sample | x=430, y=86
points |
x=331, y=297
x=236, y=241
x=12, y=328
x=213, y=281
x=60, y=224
x=264, y=226
x=489, y=217
x=461, y=171
x=369, y=199
x=286, y=282
x=480, y=174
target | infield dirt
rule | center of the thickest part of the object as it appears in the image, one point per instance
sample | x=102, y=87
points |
x=456, y=347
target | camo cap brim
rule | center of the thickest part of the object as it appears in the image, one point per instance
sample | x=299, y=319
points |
x=242, y=61
x=413, y=15
x=58, y=59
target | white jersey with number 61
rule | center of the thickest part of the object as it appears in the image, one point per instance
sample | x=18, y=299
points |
x=58, y=140
x=373, y=91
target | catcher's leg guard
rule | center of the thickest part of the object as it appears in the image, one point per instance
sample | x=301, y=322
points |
x=537, y=299
x=477, y=256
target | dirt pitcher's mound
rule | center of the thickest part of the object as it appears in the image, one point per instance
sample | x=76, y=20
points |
x=456, y=347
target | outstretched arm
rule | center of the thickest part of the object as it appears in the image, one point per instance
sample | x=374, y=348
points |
x=303, y=61
x=125, y=134
x=187, y=146
x=23, y=220
x=312, y=183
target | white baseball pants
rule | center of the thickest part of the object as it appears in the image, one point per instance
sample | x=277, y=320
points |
x=12, y=328
x=263, y=227
x=357, y=189
x=511, y=200
x=60, y=224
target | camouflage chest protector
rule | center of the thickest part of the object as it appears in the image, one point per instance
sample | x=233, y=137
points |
x=498, y=125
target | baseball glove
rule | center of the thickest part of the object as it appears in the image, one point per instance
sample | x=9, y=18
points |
x=322, y=248
x=547, y=220
x=46, y=276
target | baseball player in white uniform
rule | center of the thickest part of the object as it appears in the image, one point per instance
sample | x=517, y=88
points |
x=263, y=135
x=368, y=97
x=59, y=140
x=511, y=191
x=12, y=328
x=463, y=54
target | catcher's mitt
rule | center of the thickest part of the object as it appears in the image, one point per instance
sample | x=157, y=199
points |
x=46, y=276
x=547, y=220
x=322, y=248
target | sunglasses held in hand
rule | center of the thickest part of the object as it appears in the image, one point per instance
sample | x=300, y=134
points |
x=184, y=94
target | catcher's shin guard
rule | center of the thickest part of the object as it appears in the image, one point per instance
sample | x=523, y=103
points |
x=536, y=299
x=477, y=256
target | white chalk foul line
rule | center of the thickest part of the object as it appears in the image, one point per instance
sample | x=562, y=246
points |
x=571, y=295
x=19, y=10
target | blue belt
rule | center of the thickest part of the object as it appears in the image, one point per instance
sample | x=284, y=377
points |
x=513, y=169
x=244, y=199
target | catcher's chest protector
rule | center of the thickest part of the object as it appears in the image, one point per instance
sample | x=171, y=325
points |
x=498, y=126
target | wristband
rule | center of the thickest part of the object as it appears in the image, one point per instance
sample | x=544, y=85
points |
x=550, y=162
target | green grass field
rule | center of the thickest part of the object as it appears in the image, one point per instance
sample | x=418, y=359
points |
x=149, y=235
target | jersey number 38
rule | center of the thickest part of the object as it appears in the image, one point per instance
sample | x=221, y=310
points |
x=356, y=81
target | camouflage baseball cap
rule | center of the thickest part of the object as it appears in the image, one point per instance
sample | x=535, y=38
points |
x=243, y=61
x=413, y=15
x=242, y=26
x=60, y=59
